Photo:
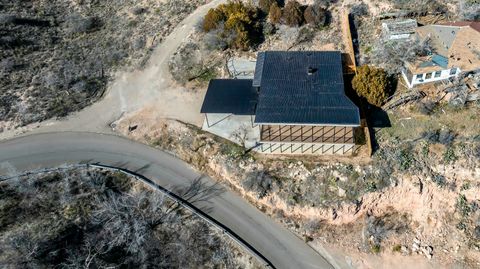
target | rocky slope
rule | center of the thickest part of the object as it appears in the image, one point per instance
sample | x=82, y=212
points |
x=411, y=199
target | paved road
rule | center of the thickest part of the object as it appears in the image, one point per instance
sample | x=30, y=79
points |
x=275, y=242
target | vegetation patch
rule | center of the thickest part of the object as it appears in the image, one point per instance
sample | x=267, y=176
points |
x=372, y=83
x=235, y=24
x=58, y=56
x=91, y=218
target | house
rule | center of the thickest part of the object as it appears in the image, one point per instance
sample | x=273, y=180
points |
x=295, y=104
x=456, y=49
x=395, y=30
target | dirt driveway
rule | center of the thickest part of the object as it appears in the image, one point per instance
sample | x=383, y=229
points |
x=150, y=90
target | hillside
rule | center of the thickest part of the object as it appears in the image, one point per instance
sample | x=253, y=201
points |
x=58, y=56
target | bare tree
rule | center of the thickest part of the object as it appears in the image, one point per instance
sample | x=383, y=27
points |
x=392, y=55
x=102, y=225
x=128, y=220
x=241, y=134
x=469, y=10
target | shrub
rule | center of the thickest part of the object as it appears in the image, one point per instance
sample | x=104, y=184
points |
x=421, y=7
x=138, y=10
x=360, y=9
x=275, y=13
x=292, y=13
x=430, y=135
x=237, y=22
x=258, y=182
x=77, y=24
x=439, y=180
x=397, y=248
x=232, y=150
x=186, y=63
x=269, y=29
x=315, y=15
x=306, y=34
x=469, y=10
x=212, y=20
x=445, y=137
x=375, y=249
x=325, y=3
x=463, y=207
x=265, y=5
x=449, y=155
x=426, y=108
x=214, y=41
x=372, y=84
x=405, y=159
x=476, y=152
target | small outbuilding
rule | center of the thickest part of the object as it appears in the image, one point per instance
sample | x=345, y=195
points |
x=397, y=30
x=456, y=47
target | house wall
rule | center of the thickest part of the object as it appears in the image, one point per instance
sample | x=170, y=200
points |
x=445, y=74
x=394, y=36
x=305, y=148
x=399, y=36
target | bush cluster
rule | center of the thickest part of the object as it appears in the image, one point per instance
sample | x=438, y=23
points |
x=235, y=23
x=259, y=182
x=315, y=15
x=442, y=136
x=275, y=13
x=294, y=14
x=265, y=5
x=372, y=83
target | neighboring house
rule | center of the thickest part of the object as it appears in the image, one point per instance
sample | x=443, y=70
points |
x=395, y=30
x=456, y=49
x=295, y=104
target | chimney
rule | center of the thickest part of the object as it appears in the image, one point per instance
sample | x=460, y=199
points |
x=311, y=70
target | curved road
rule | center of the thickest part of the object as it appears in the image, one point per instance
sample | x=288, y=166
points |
x=276, y=243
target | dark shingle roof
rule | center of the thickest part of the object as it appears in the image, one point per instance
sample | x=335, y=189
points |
x=289, y=95
x=258, y=69
x=233, y=96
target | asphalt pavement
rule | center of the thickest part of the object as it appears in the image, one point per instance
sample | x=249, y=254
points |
x=280, y=246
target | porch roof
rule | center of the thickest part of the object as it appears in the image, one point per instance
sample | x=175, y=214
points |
x=230, y=96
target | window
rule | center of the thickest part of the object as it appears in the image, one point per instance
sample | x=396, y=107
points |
x=438, y=74
x=428, y=76
x=419, y=76
x=453, y=71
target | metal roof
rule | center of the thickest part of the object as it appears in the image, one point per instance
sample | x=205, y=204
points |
x=400, y=27
x=232, y=96
x=474, y=24
x=441, y=37
x=303, y=87
x=440, y=60
x=257, y=78
x=435, y=60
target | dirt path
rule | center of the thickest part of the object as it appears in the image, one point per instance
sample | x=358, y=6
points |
x=149, y=88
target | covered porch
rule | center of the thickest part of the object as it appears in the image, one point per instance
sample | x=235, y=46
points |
x=229, y=109
x=307, y=134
